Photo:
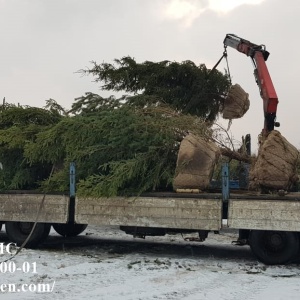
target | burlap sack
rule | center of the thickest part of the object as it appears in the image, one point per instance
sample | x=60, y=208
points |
x=236, y=103
x=276, y=165
x=195, y=163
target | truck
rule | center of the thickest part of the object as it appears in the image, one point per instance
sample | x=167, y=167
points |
x=269, y=223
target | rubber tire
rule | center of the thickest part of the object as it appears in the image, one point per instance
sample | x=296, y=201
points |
x=47, y=230
x=261, y=245
x=69, y=230
x=298, y=254
x=17, y=235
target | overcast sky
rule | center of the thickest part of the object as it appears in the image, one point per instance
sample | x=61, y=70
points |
x=44, y=43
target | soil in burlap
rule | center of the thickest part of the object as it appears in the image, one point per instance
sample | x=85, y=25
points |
x=276, y=164
x=236, y=103
x=195, y=163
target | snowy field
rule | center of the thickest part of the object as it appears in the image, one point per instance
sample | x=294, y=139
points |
x=105, y=263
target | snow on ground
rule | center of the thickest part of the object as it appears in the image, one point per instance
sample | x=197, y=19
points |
x=104, y=263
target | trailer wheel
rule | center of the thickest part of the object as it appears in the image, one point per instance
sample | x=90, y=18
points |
x=18, y=232
x=274, y=247
x=47, y=230
x=69, y=229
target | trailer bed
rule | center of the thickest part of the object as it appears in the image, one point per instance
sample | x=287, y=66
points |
x=166, y=210
x=24, y=207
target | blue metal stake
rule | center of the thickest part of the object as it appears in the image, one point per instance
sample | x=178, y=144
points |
x=72, y=179
x=225, y=182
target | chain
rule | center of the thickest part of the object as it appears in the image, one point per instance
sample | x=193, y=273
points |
x=226, y=57
x=215, y=66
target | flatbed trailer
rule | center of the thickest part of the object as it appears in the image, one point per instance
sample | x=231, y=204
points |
x=268, y=223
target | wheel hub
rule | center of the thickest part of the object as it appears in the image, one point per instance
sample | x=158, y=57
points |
x=25, y=227
x=276, y=240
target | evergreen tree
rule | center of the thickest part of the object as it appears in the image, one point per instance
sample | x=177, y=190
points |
x=186, y=87
x=117, y=151
x=120, y=146
x=18, y=127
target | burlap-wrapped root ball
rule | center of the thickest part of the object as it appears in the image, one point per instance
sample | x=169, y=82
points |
x=236, y=103
x=195, y=163
x=276, y=165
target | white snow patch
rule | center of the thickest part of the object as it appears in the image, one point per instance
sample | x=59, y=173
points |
x=115, y=266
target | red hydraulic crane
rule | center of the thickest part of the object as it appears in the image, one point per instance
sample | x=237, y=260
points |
x=259, y=55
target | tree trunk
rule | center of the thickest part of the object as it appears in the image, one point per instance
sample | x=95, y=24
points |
x=236, y=155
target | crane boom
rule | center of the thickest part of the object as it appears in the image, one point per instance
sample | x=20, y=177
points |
x=259, y=55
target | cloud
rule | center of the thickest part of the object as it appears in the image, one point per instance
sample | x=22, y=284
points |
x=222, y=6
x=185, y=10
x=189, y=10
